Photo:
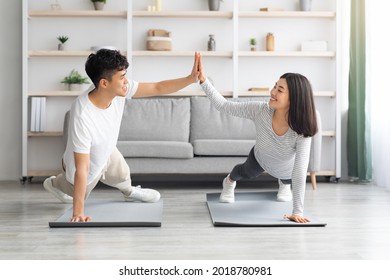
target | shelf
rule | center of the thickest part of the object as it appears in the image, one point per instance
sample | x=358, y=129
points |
x=181, y=54
x=52, y=93
x=42, y=173
x=78, y=13
x=39, y=53
x=328, y=133
x=45, y=134
x=265, y=93
x=184, y=14
x=36, y=53
x=230, y=55
x=241, y=54
x=286, y=54
x=287, y=14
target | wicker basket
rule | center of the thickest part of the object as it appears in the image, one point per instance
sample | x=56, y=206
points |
x=158, y=40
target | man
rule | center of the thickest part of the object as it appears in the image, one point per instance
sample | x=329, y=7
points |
x=91, y=154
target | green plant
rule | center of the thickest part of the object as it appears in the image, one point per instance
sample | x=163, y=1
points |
x=62, y=39
x=75, y=78
x=104, y=1
x=252, y=42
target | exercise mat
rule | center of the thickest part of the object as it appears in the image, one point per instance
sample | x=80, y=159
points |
x=115, y=214
x=254, y=209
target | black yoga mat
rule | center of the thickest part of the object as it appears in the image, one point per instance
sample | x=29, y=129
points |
x=256, y=209
x=115, y=214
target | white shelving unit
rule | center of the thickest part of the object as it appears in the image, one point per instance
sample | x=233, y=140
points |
x=231, y=65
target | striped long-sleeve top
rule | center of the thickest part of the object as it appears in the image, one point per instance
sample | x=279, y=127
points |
x=282, y=156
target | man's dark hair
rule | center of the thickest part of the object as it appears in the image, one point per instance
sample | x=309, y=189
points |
x=104, y=64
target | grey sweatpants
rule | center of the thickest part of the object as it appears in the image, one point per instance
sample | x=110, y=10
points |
x=115, y=174
x=249, y=169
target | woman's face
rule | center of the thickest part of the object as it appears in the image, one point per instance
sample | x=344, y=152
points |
x=279, y=96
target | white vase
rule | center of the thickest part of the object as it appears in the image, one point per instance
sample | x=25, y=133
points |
x=76, y=87
x=305, y=5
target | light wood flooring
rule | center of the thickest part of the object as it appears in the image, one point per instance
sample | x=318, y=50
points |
x=358, y=218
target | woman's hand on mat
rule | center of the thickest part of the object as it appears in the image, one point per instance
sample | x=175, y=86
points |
x=296, y=218
x=76, y=219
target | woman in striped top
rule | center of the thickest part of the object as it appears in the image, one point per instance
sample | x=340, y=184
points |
x=284, y=127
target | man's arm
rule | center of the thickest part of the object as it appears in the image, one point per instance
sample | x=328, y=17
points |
x=169, y=86
x=80, y=186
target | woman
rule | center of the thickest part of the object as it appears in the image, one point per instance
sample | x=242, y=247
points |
x=284, y=127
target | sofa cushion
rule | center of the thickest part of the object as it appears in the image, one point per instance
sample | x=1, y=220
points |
x=208, y=123
x=156, y=119
x=156, y=149
x=221, y=147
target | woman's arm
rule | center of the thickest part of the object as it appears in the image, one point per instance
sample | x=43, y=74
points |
x=299, y=174
x=239, y=109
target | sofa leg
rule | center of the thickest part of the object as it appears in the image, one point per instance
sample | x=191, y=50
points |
x=313, y=180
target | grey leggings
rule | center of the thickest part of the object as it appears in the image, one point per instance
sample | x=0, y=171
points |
x=250, y=169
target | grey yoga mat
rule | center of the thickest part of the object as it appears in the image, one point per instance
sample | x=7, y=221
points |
x=256, y=209
x=110, y=213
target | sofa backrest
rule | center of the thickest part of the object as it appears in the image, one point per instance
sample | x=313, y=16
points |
x=163, y=119
x=208, y=123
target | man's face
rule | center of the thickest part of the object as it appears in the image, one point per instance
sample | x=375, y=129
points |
x=119, y=83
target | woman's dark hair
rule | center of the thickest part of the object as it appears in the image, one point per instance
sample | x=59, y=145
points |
x=104, y=64
x=302, y=112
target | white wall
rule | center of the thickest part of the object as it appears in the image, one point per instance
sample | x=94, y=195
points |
x=10, y=90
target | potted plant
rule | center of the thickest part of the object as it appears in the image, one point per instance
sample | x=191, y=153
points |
x=62, y=39
x=252, y=43
x=98, y=4
x=214, y=5
x=75, y=81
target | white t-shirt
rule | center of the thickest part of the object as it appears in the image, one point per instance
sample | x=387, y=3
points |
x=94, y=131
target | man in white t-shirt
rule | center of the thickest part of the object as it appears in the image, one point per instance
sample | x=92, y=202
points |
x=95, y=117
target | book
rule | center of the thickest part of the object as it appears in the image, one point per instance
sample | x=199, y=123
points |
x=37, y=113
x=42, y=114
x=33, y=113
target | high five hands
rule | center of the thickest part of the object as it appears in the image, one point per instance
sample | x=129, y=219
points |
x=197, y=70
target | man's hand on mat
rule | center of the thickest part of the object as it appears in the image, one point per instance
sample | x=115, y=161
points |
x=76, y=219
x=296, y=218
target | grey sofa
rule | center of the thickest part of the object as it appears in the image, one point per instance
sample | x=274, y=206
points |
x=187, y=135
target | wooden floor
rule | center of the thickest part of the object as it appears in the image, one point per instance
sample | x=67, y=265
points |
x=358, y=218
